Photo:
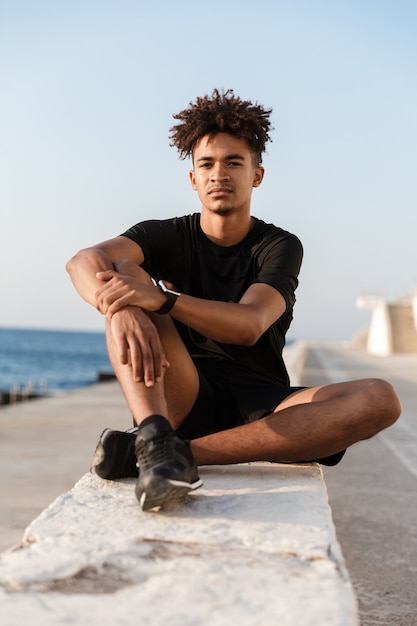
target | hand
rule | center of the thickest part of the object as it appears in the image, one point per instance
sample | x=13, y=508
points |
x=121, y=290
x=139, y=346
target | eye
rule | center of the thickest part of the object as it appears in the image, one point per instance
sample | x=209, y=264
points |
x=234, y=163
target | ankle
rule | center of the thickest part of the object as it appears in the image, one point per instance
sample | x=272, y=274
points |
x=158, y=420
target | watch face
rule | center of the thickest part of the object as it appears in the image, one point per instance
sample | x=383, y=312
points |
x=166, y=289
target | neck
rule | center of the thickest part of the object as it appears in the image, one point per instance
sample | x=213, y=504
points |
x=225, y=230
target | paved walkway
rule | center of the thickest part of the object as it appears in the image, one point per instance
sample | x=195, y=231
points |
x=255, y=545
x=46, y=446
x=373, y=492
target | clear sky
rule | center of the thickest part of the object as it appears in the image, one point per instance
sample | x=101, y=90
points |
x=88, y=89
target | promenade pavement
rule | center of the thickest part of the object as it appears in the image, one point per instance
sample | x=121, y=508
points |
x=255, y=545
x=46, y=446
x=373, y=491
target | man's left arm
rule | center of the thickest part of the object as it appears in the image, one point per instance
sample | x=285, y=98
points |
x=241, y=323
x=265, y=300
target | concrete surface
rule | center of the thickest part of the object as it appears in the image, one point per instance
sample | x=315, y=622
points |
x=255, y=545
x=46, y=445
x=373, y=492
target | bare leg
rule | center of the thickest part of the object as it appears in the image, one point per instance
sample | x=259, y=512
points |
x=167, y=469
x=179, y=384
x=175, y=395
x=310, y=424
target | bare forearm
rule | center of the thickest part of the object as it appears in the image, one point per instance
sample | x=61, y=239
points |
x=226, y=322
x=82, y=269
x=240, y=323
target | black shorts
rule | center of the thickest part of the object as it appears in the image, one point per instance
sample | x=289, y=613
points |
x=230, y=396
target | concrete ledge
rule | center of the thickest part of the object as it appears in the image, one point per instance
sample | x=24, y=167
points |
x=256, y=545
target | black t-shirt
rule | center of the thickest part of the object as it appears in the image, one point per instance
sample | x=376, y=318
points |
x=177, y=250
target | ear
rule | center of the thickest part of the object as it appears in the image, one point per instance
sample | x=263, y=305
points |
x=258, y=176
x=192, y=179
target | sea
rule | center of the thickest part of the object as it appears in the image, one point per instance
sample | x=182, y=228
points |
x=49, y=361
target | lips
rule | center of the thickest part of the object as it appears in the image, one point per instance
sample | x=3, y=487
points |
x=219, y=190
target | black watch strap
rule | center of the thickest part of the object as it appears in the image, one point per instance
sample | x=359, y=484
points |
x=171, y=296
x=171, y=300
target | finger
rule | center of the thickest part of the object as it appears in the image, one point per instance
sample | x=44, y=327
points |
x=147, y=364
x=101, y=296
x=116, y=306
x=105, y=275
x=135, y=361
x=121, y=345
x=107, y=297
x=159, y=359
x=119, y=301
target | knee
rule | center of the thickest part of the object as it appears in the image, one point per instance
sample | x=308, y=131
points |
x=384, y=400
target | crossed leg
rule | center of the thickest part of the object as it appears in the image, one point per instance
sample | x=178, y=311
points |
x=309, y=424
x=312, y=423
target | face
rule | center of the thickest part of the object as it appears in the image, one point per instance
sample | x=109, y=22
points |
x=224, y=174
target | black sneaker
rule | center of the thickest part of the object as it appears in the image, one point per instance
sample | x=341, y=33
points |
x=114, y=456
x=167, y=467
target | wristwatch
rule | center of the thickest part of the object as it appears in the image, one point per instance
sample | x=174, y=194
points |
x=171, y=295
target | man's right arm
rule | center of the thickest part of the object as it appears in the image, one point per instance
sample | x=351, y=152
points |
x=84, y=265
x=135, y=335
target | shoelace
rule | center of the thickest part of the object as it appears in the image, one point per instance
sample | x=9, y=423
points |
x=155, y=451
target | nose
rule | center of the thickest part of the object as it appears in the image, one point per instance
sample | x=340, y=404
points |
x=219, y=171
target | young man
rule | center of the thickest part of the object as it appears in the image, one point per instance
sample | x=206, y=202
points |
x=197, y=310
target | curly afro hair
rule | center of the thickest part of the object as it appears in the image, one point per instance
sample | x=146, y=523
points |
x=221, y=112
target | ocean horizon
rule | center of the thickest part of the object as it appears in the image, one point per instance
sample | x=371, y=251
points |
x=51, y=360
